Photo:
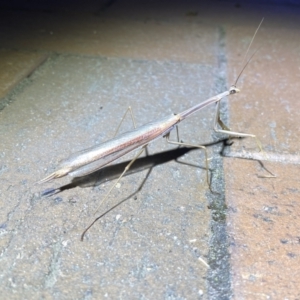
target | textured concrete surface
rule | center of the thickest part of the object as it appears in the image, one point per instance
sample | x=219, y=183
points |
x=69, y=73
x=65, y=111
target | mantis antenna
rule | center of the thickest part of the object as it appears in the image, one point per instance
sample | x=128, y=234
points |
x=246, y=64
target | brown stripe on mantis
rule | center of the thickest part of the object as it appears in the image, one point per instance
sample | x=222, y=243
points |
x=90, y=160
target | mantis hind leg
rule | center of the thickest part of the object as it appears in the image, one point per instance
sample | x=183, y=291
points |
x=196, y=146
x=129, y=109
x=112, y=187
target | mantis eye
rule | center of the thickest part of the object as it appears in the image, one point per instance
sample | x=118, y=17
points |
x=233, y=90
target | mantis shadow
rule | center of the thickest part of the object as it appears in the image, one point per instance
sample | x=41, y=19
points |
x=112, y=172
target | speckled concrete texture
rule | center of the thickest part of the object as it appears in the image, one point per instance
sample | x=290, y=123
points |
x=144, y=234
x=152, y=245
x=68, y=74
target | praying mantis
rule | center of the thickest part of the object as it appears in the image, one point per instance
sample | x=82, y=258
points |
x=92, y=159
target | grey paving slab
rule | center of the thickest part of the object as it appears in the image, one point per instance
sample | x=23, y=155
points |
x=147, y=247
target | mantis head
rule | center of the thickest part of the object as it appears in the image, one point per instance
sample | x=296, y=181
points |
x=233, y=90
